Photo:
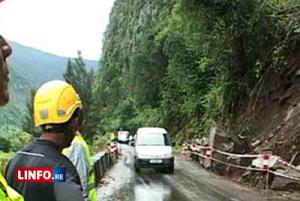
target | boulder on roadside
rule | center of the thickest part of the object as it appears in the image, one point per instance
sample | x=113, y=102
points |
x=282, y=183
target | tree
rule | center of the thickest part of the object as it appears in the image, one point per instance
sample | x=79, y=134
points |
x=28, y=123
x=5, y=144
x=77, y=75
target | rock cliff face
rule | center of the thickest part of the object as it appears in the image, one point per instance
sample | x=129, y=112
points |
x=184, y=64
x=270, y=124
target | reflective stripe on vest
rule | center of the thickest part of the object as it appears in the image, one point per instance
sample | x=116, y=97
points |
x=92, y=186
x=7, y=193
x=3, y=193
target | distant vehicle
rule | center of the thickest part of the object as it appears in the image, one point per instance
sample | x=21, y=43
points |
x=153, y=149
x=123, y=136
x=131, y=140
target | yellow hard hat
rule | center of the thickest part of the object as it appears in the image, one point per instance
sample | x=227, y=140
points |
x=55, y=102
x=112, y=136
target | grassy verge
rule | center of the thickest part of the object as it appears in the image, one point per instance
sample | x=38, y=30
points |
x=178, y=148
x=4, y=158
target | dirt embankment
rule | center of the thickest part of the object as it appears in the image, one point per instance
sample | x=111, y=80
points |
x=271, y=122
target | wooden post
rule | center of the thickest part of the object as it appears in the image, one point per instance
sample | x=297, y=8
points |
x=266, y=162
x=267, y=183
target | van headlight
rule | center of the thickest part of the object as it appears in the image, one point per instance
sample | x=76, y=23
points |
x=170, y=155
x=142, y=156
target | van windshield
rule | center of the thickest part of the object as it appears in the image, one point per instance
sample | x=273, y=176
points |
x=153, y=139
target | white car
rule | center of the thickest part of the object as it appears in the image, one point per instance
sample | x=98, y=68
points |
x=153, y=149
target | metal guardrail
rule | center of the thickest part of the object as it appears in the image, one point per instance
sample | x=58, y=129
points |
x=102, y=162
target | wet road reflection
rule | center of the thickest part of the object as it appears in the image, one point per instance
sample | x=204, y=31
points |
x=125, y=185
x=149, y=186
x=188, y=183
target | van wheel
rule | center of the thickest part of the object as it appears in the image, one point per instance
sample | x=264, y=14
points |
x=165, y=170
x=171, y=170
x=136, y=169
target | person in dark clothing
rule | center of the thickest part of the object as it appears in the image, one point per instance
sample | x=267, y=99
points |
x=5, y=52
x=56, y=109
x=6, y=192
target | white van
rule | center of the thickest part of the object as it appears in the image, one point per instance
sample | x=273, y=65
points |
x=123, y=136
x=153, y=149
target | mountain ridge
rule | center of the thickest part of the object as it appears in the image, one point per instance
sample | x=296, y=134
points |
x=31, y=64
x=29, y=68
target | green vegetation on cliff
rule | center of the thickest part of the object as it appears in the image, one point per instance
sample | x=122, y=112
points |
x=184, y=63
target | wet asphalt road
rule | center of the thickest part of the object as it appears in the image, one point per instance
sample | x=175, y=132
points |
x=188, y=183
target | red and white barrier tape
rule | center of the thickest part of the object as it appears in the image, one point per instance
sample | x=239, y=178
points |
x=287, y=164
x=266, y=162
x=230, y=164
x=285, y=176
x=249, y=168
x=202, y=147
x=195, y=148
x=233, y=156
x=209, y=154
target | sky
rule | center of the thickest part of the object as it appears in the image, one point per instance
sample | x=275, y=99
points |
x=59, y=27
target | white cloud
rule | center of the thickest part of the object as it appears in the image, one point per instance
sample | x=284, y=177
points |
x=57, y=26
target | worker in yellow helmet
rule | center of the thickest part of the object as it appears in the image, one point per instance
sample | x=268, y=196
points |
x=79, y=154
x=56, y=109
x=6, y=192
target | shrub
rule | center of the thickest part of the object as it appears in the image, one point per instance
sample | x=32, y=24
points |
x=5, y=144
